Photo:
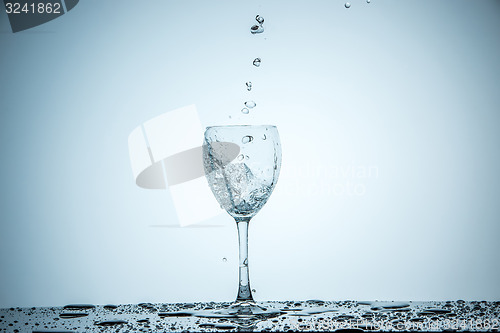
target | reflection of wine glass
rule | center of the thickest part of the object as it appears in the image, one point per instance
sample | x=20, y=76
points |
x=242, y=164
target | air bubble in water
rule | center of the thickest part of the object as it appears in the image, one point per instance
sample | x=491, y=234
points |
x=254, y=291
x=249, y=85
x=347, y=5
x=259, y=19
x=247, y=139
x=245, y=111
x=224, y=259
x=241, y=157
x=256, y=29
x=264, y=137
x=256, y=62
x=250, y=104
x=368, y=1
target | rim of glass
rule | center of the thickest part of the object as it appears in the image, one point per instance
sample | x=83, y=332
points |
x=236, y=126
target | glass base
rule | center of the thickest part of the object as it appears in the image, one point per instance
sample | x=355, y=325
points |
x=250, y=309
x=242, y=314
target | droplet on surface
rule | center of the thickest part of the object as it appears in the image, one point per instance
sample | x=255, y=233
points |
x=347, y=5
x=71, y=315
x=224, y=259
x=250, y=104
x=259, y=19
x=79, y=306
x=245, y=111
x=247, y=139
x=249, y=85
x=241, y=157
x=256, y=62
x=111, y=323
x=256, y=29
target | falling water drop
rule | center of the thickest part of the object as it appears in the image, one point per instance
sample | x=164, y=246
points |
x=250, y=104
x=256, y=62
x=256, y=29
x=249, y=85
x=259, y=19
x=245, y=111
x=347, y=5
x=247, y=139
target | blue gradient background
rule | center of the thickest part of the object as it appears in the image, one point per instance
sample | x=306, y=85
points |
x=410, y=87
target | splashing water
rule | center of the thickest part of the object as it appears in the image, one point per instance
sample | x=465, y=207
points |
x=237, y=189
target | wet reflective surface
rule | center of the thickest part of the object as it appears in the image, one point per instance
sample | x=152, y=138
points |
x=311, y=315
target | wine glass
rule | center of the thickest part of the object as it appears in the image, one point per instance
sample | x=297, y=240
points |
x=242, y=164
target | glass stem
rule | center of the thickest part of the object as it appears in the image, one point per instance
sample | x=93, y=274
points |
x=244, y=290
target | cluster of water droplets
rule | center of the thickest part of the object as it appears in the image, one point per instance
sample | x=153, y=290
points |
x=255, y=29
x=348, y=4
x=311, y=315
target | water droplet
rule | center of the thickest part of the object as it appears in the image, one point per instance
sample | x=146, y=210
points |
x=241, y=157
x=224, y=259
x=256, y=29
x=79, y=306
x=250, y=104
x=259, y=19
x=256, y=62
x=368, y=1
x=247, y=157
x=347, y=5
x=264, y=137
x=247, y=139
x=245, y=262
x=72, y=315
x=245, y=111
x=111, y=323
x=249, y=85
x=254, y=291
